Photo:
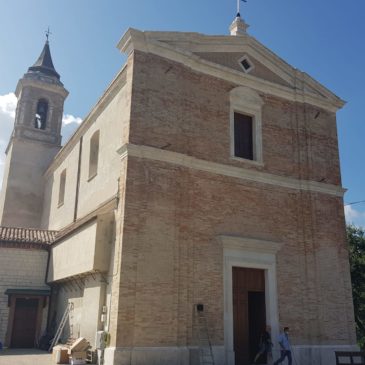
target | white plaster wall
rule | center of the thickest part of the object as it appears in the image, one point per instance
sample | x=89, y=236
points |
x=75, y=255
x=111, y=123
x=20, y=269
x=94, y=297
x=88, y=297
x=54, y=216
x=69, y=292
x=88, y=249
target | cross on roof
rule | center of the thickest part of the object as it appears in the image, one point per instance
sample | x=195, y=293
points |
x=238, y=6
x=48, y=32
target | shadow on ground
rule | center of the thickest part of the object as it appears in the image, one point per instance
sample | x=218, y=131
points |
x=25, y=357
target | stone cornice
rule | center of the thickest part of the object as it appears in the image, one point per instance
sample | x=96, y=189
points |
x=156, y=154
x=166, y=44
x=52, y=87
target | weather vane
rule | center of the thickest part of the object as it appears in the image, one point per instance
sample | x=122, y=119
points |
x=48, y=32
x=238, y=6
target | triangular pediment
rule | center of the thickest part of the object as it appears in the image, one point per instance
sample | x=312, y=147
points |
x=233, y=61
x=225, y=54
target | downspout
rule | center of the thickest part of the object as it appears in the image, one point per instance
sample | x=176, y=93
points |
x=51, y=294
x=78, y=181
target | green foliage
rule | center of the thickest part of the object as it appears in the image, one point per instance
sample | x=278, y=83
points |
x=356, y=240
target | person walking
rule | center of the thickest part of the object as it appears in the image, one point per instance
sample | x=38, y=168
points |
x=265, y=345
x=285, y=347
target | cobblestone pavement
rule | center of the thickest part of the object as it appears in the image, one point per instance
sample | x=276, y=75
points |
x=25, y=357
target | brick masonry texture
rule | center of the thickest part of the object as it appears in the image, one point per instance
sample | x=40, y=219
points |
x=171, y=257
x=184, y=111
x=19, y=268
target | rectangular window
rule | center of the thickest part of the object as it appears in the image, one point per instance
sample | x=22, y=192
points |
x=243, y=136
x=61, y=192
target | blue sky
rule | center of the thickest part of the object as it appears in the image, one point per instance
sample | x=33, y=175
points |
x=321, y=37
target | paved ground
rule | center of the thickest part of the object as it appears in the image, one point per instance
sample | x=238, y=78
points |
x=25, y=357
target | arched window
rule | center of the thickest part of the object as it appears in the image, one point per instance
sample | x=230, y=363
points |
x=61, y=191
x=40, y=119
x=94, y=154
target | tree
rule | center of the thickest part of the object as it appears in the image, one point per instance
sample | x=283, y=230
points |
x=356, y=240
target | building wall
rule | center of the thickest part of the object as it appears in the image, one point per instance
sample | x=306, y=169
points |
x=23, y=197
x=20, y=269
x=110, y=119
x=5, y=180
x=184, y=111
x=56, y=216
x=172, y=257
x=88, y=296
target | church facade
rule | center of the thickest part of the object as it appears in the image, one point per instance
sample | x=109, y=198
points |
x=199, y=201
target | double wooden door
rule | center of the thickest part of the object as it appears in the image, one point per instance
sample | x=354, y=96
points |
x=249, y=313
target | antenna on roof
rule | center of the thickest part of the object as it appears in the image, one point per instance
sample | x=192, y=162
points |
x=238, y=7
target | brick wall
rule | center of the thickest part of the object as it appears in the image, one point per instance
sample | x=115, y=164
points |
x=20, y=269
x=171, y=256
x=188, y=112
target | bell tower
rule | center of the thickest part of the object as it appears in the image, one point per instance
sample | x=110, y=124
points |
x=35, y=141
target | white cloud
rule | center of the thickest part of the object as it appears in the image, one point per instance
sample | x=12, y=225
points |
x=68, y=119
x=7, y=113
x=69, y=125
x=8, y=104
x=354, y=216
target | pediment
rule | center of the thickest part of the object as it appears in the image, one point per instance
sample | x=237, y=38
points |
x=220, y=56
x=232, y=60
x=227, y=51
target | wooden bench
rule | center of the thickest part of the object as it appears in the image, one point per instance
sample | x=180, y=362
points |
x=350, y=357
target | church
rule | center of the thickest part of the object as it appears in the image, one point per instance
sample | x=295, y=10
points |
x=199, y=201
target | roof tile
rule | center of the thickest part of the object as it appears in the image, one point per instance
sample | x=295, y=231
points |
x=26, y=235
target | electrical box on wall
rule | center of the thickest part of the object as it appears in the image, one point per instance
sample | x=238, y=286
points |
x=101, y=340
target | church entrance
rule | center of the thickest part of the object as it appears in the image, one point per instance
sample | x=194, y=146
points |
x=25, y=323
x=249, y=313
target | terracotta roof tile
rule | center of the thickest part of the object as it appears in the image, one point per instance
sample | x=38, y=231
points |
x=26, y=235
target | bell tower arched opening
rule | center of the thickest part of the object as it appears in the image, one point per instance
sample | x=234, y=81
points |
x=40, y=119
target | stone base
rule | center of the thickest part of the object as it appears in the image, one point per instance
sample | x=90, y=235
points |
x=318, y=355
x=302, y=355
x=159, y=356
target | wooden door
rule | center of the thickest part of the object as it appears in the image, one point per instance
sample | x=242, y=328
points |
x=246, y=281
x=25, y=323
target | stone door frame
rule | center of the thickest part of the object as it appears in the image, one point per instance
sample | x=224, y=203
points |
x=256, y=254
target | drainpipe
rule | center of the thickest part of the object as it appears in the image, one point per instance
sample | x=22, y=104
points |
x=45, y=281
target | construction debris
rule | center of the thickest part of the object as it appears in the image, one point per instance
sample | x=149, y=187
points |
x=74, y=352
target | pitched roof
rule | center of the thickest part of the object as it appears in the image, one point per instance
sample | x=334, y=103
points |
x=26, y=235
x=44, y=63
